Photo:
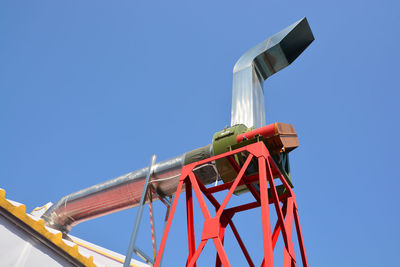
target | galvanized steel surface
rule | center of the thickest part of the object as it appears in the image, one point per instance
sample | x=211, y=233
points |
x=248, y=98
x=260, y=62
x=125, y=191
x=117, y=194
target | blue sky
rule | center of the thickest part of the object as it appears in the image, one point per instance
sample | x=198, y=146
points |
x=90, y=90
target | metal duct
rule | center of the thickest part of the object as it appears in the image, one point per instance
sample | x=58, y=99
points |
x=260, y=62
x=124, y=191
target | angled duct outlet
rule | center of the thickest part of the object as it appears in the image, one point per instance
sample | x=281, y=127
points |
x=260, y=62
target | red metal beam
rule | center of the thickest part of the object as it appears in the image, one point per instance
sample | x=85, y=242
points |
x=243, y=207
x=241, y=244
x=250, y=186
x=226, y=186
x=214, y=227
x=190, y=221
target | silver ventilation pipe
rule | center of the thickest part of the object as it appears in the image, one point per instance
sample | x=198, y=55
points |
x=125, y=191
x=259, y=63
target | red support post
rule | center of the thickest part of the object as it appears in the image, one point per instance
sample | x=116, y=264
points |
x=169, y=222
x=277, y=228
x=300, y=236
x=289, y=258
x=266, y=226
x=190, y=220
x=214, y=227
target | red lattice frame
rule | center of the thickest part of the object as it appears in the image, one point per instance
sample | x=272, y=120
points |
x=214, y=227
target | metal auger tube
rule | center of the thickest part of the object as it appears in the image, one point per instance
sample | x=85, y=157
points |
x=123, y=192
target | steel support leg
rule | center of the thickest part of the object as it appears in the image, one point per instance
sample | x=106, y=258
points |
x=266, y=226
x=300, y=236
x=222, y=238
x=169, y=222
x=190, y=221
x=132, y=241
x=289, y=259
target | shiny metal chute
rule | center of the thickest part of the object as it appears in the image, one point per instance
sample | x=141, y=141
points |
x=260, y=62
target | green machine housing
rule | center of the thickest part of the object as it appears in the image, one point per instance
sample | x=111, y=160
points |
x=279, y=138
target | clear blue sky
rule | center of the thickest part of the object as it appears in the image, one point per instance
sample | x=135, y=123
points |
x=90, y=90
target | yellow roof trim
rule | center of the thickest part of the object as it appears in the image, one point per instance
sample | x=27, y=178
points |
x=102, y=252
x=20, y=213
